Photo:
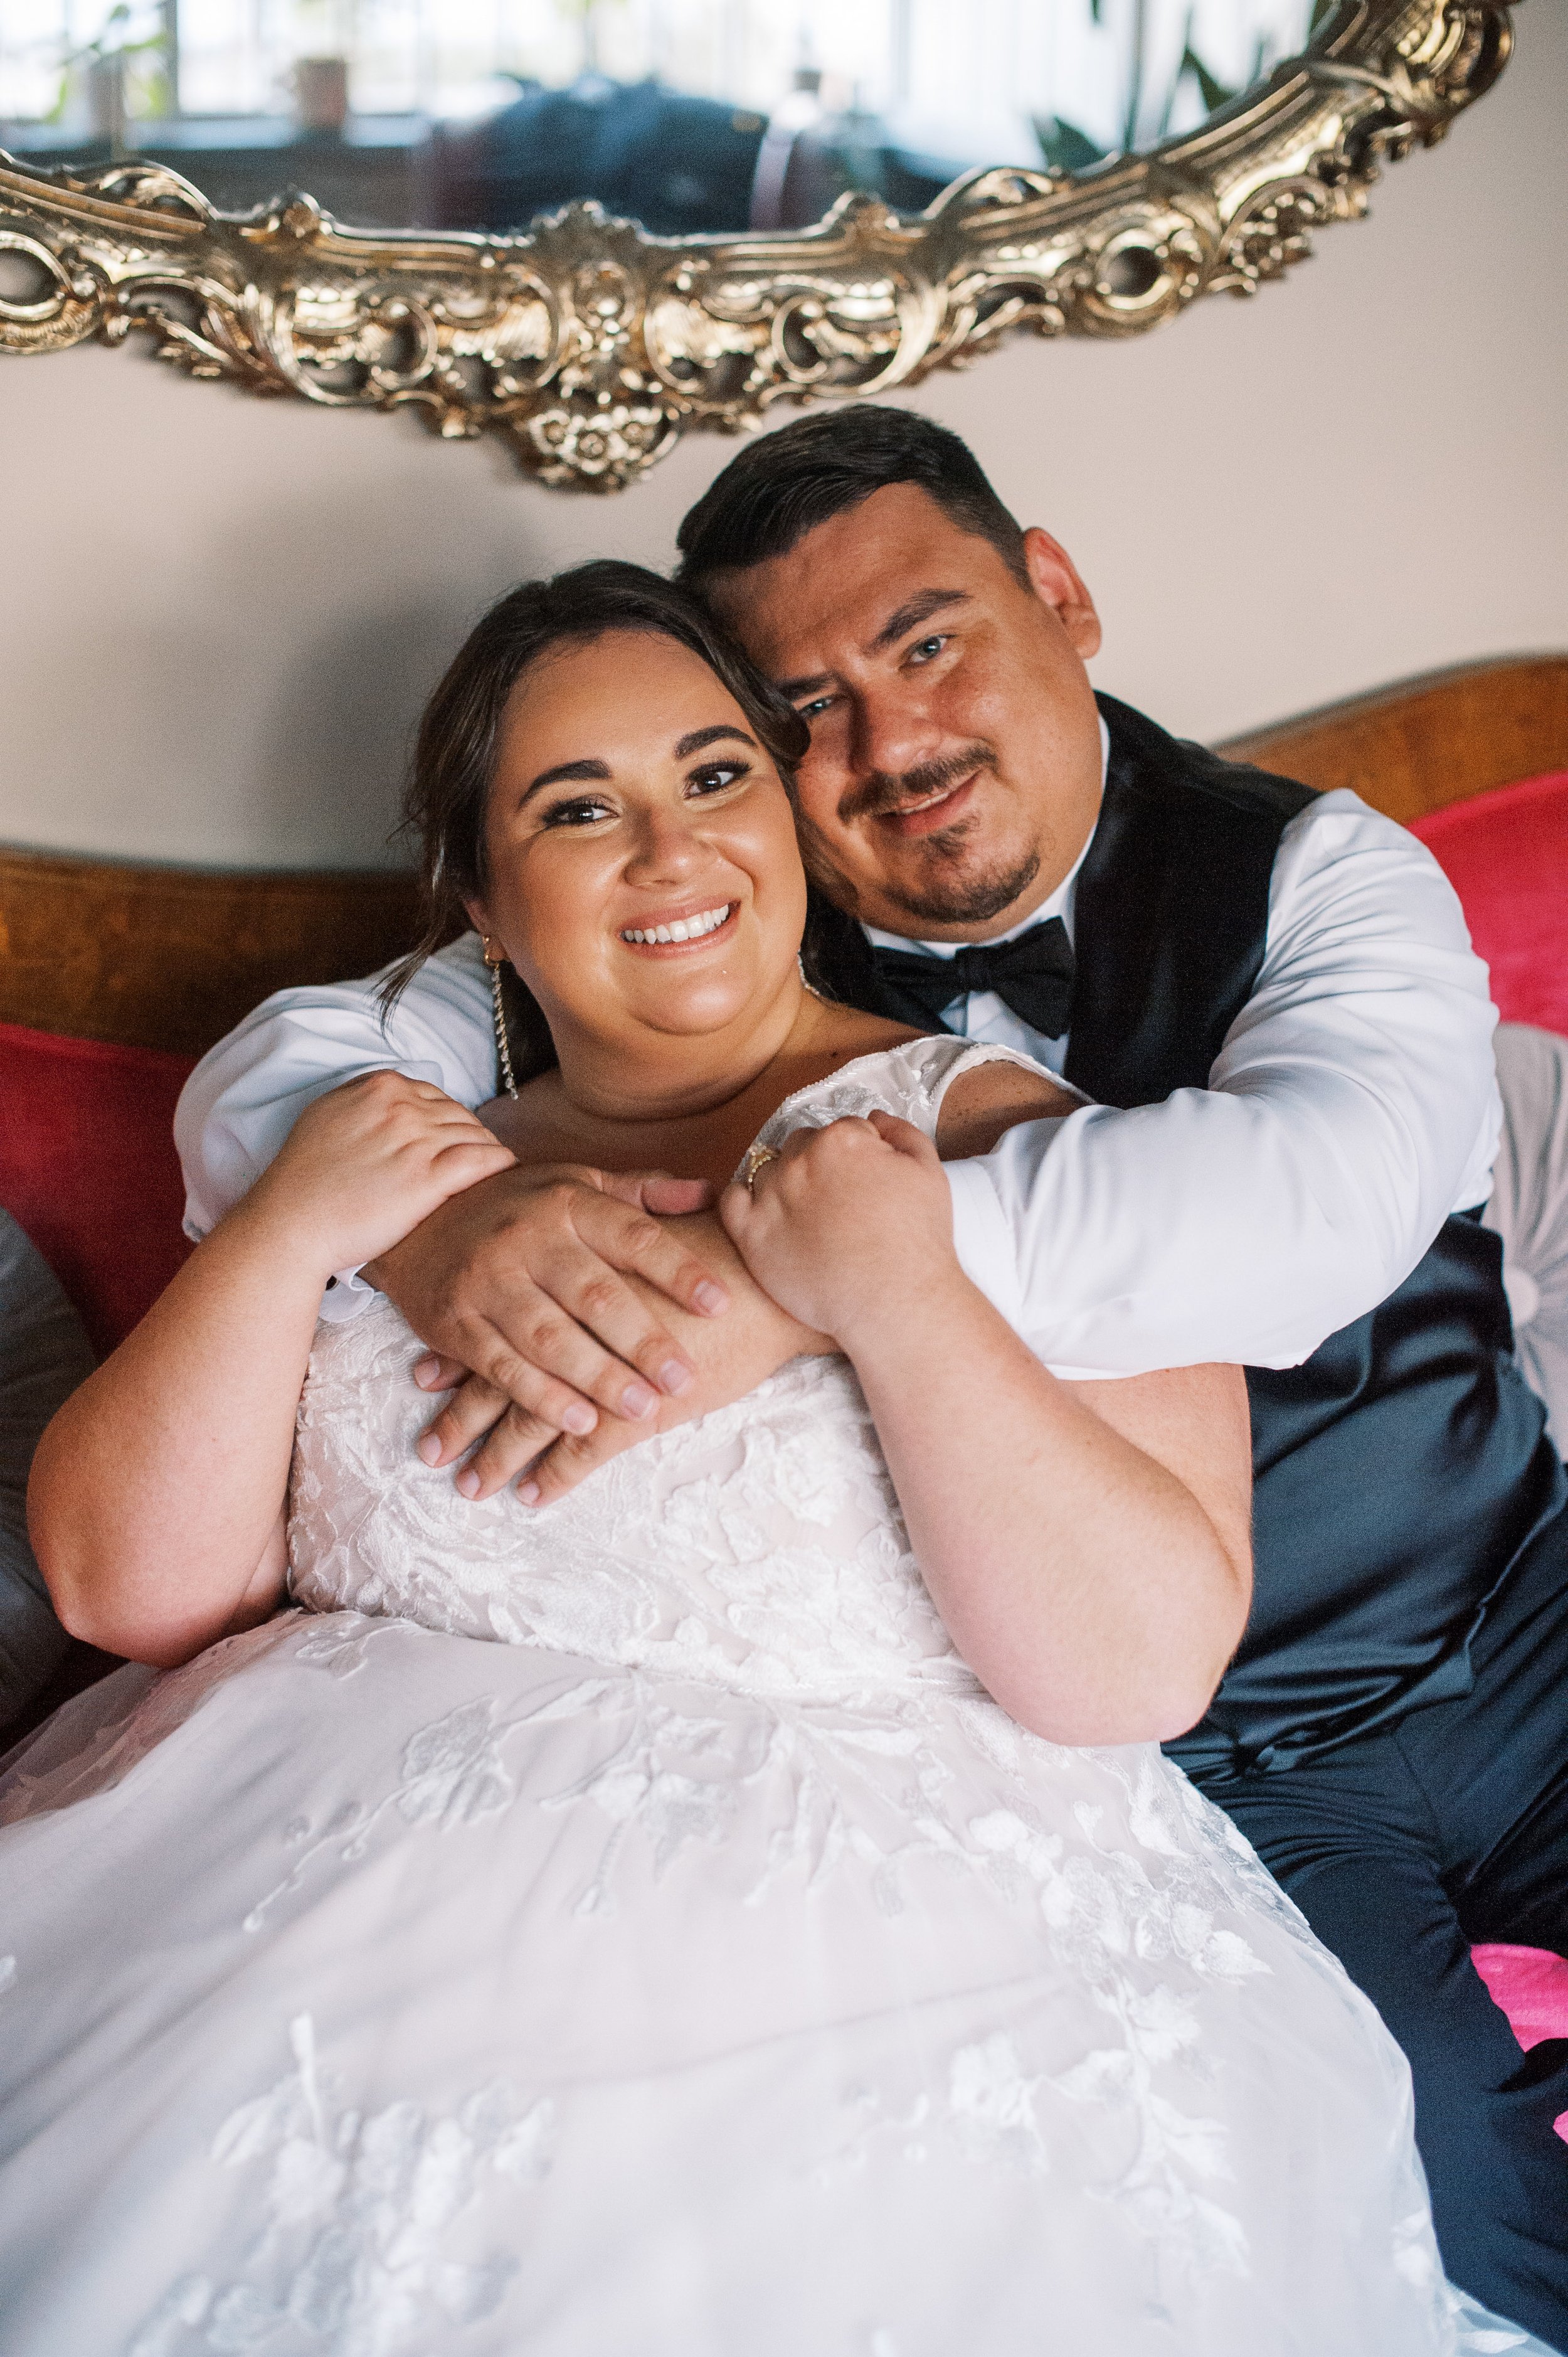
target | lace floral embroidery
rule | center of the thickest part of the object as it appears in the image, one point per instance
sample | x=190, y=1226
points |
x=831, y=1792
x=360, y=2214
x=452, y=1773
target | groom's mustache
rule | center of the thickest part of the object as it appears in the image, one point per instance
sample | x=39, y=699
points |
x=885, y=791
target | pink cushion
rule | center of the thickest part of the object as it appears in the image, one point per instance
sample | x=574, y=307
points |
x=1506, y=855
x=88, y=1167
x=1531, y=1987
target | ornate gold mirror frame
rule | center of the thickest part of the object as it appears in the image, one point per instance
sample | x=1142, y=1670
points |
x=592, y=345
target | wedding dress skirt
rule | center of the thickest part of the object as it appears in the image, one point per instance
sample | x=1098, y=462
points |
x=704, y=1966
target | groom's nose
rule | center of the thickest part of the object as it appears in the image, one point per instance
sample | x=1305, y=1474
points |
x=891, y=730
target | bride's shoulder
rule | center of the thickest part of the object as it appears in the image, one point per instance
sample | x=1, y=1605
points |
x=962, y=1092
x=538, y=1123
x=989, y=1090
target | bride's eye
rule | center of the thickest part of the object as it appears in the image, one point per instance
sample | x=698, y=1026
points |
x=583, y=812
x=720, y=774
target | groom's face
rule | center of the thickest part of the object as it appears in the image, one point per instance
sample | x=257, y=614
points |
x=954, y=768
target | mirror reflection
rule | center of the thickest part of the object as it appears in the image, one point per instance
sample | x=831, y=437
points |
x=687, y=115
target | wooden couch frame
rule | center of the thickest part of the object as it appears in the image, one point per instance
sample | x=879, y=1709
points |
x=172, y=957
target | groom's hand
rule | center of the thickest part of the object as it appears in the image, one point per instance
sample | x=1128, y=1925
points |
x=731, y=1358
x=523, y=1280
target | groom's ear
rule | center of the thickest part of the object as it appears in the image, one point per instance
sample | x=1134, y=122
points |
x=1056, y=583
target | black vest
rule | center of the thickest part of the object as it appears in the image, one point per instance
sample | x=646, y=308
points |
x=1400, y=1472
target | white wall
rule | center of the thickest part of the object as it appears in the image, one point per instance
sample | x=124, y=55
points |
x=218, y=616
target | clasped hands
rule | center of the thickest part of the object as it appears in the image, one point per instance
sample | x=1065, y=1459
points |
x=570, y=1312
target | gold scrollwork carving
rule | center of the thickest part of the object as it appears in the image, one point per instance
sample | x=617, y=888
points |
x=592, y=345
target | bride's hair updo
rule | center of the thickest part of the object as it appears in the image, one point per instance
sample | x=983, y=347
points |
x=448, y=792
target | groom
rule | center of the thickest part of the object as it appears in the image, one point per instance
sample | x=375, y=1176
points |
x=1272, y=999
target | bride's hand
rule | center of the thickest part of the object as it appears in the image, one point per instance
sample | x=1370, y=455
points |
x=843, y=1221
x=368, y=1162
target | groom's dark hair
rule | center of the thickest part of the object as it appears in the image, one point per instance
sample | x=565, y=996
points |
x=784, y=484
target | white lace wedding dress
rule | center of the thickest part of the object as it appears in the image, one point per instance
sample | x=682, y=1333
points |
x=707, y=1968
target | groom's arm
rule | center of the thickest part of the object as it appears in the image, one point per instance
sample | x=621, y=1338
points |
x=1352, y=1108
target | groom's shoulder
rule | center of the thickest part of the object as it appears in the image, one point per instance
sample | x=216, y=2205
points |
x=1148, y=763
x=451, y=987
x=455, y=979
x=243, y=1099
x=443, y=1006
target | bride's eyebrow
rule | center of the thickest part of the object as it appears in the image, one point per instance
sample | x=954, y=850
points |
x=597, y=773
x=698, y=737
x=563, y=770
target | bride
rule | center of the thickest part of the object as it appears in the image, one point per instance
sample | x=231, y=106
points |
x=788, y=1937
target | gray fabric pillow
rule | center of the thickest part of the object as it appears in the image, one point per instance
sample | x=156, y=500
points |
x=44, y=1355
x=1530, y=1210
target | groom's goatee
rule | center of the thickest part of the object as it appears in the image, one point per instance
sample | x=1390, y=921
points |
x=966, y=899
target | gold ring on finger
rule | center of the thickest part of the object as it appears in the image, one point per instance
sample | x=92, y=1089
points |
x=757, y=1158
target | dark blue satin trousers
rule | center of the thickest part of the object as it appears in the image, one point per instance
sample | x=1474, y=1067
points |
x=1404, y=1848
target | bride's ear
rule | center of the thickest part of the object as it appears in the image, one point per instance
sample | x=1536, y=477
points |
x=478, y=915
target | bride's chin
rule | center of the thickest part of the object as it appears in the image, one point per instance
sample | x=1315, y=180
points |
x=674, y=1006
x=665, y=999
x=695, y=1014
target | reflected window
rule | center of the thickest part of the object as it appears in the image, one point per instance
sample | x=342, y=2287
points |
x=689, y=114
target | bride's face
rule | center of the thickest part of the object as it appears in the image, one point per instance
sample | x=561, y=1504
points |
x=630, y=798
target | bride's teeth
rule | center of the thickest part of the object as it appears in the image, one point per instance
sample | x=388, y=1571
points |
x=684, y=928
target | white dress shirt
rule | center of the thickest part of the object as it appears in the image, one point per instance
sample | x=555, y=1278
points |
x=1353, y=1107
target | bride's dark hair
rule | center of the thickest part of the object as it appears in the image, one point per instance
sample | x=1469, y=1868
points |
x=448, y=790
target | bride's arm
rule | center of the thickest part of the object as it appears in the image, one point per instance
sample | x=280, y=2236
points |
x=157, y=1492
x=1086, y=1544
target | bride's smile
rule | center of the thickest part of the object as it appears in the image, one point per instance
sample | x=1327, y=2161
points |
x=678, y=931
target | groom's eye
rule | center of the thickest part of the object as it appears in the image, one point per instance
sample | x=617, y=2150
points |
x=927, y=648
x=818, y=703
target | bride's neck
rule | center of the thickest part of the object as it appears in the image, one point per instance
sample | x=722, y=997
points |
x=662, y=1077
x=692, y=1105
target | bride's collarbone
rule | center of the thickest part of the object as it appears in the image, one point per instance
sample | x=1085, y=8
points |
x=542, y=1125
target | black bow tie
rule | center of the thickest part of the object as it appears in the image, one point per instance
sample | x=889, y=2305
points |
x=1033, y=975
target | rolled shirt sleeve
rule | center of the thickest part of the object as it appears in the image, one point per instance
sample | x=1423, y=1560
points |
x=1352, y=1108
x=247, y=1093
